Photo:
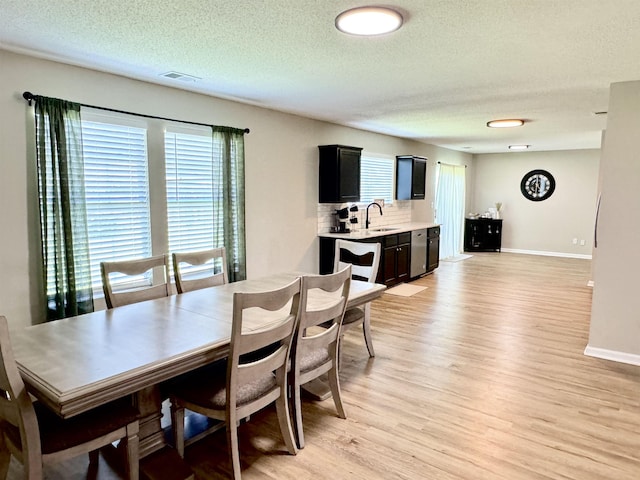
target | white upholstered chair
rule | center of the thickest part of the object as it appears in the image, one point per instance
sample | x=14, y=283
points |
x=116, y=297
x=254, y=375
x=210, y=271
x=37, y=436
x=365, y=260
x=315, y=350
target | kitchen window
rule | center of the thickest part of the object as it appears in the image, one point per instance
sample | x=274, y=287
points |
x=377, y=173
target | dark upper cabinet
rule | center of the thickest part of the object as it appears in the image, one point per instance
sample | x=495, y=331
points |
x=339, y=174
x=411, y=176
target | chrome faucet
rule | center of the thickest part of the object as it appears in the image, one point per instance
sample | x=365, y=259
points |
x=367, y=222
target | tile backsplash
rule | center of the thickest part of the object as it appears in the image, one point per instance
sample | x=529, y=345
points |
x=393, y=214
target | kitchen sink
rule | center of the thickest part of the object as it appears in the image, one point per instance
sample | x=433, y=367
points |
x=384, y=229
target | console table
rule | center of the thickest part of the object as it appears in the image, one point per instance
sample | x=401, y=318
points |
x=482, y=235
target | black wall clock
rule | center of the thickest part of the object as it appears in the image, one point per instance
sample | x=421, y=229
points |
x=537, y=185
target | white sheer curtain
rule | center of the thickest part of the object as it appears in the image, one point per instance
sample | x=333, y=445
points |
x=450, y=201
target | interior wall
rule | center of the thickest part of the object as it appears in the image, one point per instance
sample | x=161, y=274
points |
x=281, y=168
x=615, y=322
x=549, y=226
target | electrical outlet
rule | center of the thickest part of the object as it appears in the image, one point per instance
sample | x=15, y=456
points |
x=575, y=241
x=583, y=242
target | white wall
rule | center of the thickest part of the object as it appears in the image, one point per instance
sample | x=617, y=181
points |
x=548, y=226
x=281, y=169
x=615, y=317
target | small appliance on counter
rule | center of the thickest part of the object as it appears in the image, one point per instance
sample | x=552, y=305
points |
x=342, y=216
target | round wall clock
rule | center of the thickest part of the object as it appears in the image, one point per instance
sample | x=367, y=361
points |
x=537, y=185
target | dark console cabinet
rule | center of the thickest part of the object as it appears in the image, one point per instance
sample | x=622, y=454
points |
x=411, y=175
x=339, y=174
x=482, y=235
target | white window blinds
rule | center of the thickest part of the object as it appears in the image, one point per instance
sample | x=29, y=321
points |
x=376, y=178
x=191, y=178
x=117, y=194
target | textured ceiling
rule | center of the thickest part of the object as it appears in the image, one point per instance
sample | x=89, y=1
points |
x=452, y=67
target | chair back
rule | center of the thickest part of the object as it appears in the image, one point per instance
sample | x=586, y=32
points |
x=326, y=307
x=16, y=410
x=212, y=269
x=364, y=258
x=127, y=295
x=257, y=354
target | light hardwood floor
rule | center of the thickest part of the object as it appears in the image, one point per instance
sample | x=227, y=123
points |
x=480, y=376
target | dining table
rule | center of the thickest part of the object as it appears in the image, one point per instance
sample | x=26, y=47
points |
x=78, y=363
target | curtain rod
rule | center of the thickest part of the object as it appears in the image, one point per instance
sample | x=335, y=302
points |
x=29, y=97
x=452, y=165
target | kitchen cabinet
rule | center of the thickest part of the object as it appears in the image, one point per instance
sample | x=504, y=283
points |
x=395, y=259
x=482, y=235
x=433, y=248
x=411, y=175
x=339, y=174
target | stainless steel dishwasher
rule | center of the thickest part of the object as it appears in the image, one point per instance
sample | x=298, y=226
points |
x=418, y=253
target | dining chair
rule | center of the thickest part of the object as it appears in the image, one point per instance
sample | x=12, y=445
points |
x=37, y=436
x=365, y=259
x=136, y=288
x=315, y=350
x=254, y=374
x=206, y=272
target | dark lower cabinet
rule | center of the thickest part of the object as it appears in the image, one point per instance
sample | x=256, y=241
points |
x=396, y=258
x=482, y=235
x=433, y=248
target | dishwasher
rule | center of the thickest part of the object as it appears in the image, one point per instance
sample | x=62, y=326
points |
x=418, y=253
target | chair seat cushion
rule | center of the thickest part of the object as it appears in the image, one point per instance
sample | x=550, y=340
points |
x=313, y=358
x=353, y=315
x=207, y=387
x=58, y=434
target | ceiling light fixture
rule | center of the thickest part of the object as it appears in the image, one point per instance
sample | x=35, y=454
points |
x=512, y=122
x=369, y=21
x=519, y=147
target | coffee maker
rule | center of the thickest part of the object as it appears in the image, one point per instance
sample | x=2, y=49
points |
x=342, y=216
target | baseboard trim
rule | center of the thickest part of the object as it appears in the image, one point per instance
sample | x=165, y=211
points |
x=547, y=254
x=613, y=355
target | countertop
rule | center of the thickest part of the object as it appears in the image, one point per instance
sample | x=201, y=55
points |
x=374, y=231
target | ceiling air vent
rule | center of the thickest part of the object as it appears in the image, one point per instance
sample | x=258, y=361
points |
x=183, y=77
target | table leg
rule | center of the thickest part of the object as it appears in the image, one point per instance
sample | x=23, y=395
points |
x=158, y=460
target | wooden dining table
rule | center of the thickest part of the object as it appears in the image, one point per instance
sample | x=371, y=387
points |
x=78, y=363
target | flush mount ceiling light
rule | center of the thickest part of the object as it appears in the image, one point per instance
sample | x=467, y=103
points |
x=369, y=21
x=508, y=123
x=518, y=147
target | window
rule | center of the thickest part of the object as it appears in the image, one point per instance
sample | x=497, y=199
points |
x=191, y=178
x=132, y=187
x=117, y=194
x=376, y=178
x=119, y=164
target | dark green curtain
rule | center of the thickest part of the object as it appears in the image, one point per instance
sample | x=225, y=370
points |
x=63, y=219
x=231, y=189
